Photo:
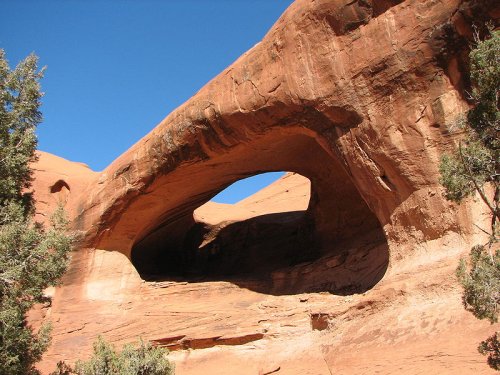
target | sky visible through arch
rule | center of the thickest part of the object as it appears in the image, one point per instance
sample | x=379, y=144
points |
x=116, y=68
x=246, y=187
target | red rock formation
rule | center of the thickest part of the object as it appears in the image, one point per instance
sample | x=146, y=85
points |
x=59, y=181
x=357, y=96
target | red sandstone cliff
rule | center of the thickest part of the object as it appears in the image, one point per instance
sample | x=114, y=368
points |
x=355, y=277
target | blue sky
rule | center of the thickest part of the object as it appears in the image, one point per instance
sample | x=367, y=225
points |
x=117, y=68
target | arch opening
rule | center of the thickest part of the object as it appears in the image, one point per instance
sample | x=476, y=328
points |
x=268, y=230
x=246, y=187
x=333, y=242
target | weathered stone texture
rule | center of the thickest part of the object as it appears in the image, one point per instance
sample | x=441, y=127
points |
x=358, y=97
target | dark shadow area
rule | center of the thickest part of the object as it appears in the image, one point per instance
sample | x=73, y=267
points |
x=255, y=246
x=58, y=186
x=274, y=254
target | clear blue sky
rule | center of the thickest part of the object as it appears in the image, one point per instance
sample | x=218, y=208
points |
x=117, y=68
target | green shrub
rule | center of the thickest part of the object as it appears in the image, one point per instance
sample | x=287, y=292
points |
x=480, y=278
x=143, y=359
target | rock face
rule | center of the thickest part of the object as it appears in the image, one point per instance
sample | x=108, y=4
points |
x=357, y=96
x=59, y=181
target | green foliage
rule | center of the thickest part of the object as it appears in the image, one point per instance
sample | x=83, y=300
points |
x=484, y=118
x=477, y=159
x=468, y=167
x=143, y=359
x=31, y=258
x=475, y=163
x=481, y=283
x=491, y=348
x=19, y=116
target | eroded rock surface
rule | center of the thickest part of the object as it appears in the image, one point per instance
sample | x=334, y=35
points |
x=356, y=96
x=59, y=182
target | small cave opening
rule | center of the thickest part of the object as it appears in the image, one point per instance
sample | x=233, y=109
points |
x=60, y=190
x=59, y=186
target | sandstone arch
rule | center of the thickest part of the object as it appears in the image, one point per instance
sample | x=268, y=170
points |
x=336, y=210
x=366, y=125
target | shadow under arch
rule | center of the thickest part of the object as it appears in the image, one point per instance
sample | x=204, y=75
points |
x=337, y=245
x=274, y=254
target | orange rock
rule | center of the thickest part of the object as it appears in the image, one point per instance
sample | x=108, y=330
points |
x=58, y=181
x=357, y=96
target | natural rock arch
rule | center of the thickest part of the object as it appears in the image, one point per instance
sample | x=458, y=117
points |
x=366, y=125
x=372, y=85
x=335, y=213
